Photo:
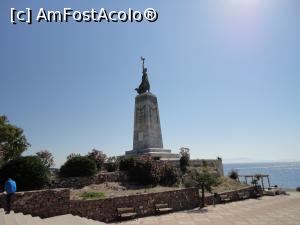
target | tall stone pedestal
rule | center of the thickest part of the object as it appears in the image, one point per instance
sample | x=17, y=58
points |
x=147, y=137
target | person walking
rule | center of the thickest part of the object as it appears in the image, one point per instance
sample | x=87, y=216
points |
x=10, y=188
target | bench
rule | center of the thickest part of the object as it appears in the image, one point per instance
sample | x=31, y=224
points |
x=126, y=213
x=257, y=193
x=225, y=198
x=162, y=208
x=243, y=195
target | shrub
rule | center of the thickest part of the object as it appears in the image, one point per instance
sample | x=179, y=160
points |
x=78, y=166
x=92, y=195
x=258, y=176
x=126, y=164
x=46, y=158
x=169, y=175
x=184, y=159
x=29, y=173
x=233, y=174
x=188, y=181
x=99, y=158
x=72, y=155
x=204, y=164
x=204, y=181
x=145, y=171
x=111, y=166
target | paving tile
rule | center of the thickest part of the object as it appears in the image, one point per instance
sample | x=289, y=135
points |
x=277, y=210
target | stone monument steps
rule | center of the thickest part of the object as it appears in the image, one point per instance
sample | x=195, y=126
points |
x=63, y=220
x=27, y=219
x=90, y=221
x=38, y=221
x=21, y=219
x=69, y=219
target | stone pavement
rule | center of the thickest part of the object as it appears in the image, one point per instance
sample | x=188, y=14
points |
x=277, y=210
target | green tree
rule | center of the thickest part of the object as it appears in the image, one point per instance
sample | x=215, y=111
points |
x=72, y=155
x=29, y=173
x=46, y=157
x=99, y=158
x=169, y=175
x=205, y=182
x=145, y=170
x=78, y=166
x=126, y=163
x=111, y=164
x=184, y=158
x=12, y=140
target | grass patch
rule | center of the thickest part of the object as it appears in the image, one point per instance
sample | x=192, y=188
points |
x=92, y=195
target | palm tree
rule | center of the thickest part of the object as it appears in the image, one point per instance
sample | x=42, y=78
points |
x=204, y=181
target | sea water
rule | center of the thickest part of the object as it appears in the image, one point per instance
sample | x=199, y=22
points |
x=284, y=174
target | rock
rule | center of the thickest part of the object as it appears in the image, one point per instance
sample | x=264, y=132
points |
x=298, y=189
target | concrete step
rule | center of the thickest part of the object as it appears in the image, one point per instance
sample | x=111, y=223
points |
x=10, y=219
x=84, y=221
x=38, y=221
x=64, y=220
x=90, y=221
x=2, y=221
x=21, y=219
x=71, y=220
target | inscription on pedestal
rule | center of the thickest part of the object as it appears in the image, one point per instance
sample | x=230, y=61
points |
x=147, y=131
x=141, y=136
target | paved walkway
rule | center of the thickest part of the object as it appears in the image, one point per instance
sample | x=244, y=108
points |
x=277, y=210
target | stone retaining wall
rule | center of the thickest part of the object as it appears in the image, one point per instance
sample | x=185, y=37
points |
x=105, y=210
x=48, y=203
x=80, y=182
x=42, y=203
x=233, y=195
x=214, y=166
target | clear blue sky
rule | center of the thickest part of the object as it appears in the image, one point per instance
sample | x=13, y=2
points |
x=226, y=73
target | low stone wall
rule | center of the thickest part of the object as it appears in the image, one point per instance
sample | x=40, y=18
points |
x=42, y=203
x=233, y=195
x=80, y=182
x=48, y=203
x=105, y=209
x=214, y=166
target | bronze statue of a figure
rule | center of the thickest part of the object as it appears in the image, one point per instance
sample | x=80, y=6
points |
x=145, y=85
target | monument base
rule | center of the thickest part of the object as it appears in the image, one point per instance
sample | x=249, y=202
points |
x=159, y=153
